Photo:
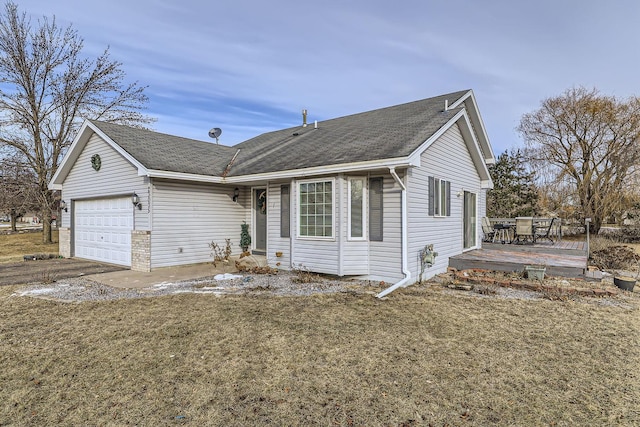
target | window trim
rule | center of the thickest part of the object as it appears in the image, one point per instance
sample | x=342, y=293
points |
x=333, y=206
x=439, y=189
x=364, y=218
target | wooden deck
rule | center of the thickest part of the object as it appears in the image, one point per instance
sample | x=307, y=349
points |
x=565, y=258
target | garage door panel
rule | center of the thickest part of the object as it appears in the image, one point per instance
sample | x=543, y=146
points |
x=103, y=230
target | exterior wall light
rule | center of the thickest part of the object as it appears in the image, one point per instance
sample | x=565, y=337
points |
x=63, y=206
x=236, y=194
x=136, y=201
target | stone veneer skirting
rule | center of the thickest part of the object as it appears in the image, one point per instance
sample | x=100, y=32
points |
x=141, y=250
x=64, y=242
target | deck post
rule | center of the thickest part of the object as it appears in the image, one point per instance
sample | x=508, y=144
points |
x=587, y=222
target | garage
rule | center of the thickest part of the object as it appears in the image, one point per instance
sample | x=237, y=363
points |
x=102, y=230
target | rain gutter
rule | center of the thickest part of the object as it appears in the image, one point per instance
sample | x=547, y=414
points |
x=404, y=243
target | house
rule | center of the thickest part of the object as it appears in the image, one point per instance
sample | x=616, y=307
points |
x=360, y=195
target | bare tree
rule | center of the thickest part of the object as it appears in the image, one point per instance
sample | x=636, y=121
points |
x=47, y=88
x=18, y=186
x=592, y=142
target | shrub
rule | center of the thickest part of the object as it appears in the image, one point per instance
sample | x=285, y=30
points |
x=607, y=254
x=219, y=254
x=303, y=275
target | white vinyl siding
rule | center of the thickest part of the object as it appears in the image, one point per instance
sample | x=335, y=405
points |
x=187, y=217
x=275, y=241
x=116, y=177
x=385, y=257
x=316, y=254
x=448, y=158
x=353, y=252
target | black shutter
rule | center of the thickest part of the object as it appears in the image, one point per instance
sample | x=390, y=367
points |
x=432, y=192
x=448, y=193
x=285, y=211
x=375, y=209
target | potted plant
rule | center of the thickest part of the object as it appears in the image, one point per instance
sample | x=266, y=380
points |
x=245, y=237
x=626, y=283
x=535, y=271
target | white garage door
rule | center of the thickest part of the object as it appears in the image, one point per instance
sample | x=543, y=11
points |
x=103, y=230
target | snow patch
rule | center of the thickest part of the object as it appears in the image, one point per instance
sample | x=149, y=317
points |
x=226, y=276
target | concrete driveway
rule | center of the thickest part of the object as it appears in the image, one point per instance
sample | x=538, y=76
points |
x=138, y=279
x=50, y=270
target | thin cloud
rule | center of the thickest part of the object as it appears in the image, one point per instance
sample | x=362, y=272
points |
x=251, y=66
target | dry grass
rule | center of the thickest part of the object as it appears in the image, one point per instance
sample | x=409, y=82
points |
x=14, y=246
x=634, y=246
x=422, y=357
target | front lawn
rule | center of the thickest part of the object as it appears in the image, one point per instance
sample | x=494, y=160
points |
x=423, y=356
x=14, y=246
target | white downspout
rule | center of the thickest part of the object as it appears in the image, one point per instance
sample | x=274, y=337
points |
x=405, y=250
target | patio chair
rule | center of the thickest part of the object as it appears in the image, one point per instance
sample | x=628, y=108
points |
x=556, y=230
x=545, y=231
x=524, y=229
x=487, y=230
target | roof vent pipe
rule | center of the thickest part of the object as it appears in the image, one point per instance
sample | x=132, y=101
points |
x=446, y=104
x=304, y=118
x=315, y=124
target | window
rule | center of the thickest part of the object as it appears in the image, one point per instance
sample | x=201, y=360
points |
x=285, y=211
x=439, y=197
x=470, y=220
x=315, y=202
x=375, y=209
x=356, y=208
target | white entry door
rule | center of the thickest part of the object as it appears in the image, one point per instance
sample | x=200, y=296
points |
x=102, y=230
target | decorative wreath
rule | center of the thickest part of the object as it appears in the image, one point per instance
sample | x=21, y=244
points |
x=262, y=201
x=96, y=162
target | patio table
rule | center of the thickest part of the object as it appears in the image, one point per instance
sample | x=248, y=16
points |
x=502, y=233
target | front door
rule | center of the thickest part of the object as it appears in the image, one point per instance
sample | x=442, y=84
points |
x=469, y=220
x=260, y=221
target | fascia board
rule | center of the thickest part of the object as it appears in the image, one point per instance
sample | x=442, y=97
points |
x=141, y=169
x=470, y=141
x=476, y=118
x=323, y=170
x=70, y=157
x=154, y=173
x=78, y=144
x=474, y=148
x=414, y=157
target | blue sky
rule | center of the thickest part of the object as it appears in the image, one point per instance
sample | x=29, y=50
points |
x=250, y=67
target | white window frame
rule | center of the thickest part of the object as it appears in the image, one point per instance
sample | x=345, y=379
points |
x=474, y=223
x=299, y=210
x=440, y=198
x=364, y=207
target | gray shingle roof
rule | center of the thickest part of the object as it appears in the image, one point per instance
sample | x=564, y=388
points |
x=384, y=133
x=373, y=135
x=160, y=151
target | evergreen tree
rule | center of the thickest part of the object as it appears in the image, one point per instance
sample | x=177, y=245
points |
x=514, y=192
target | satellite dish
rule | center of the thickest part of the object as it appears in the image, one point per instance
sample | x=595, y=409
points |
x=215, y=133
